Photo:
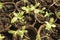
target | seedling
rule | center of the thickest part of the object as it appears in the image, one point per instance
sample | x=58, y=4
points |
x=30, y=8
x=58, y=14
x=18, y=16
x=18, y=32
x=1, y=5
x=1, y=37
x=48, y=14
x=50, y=24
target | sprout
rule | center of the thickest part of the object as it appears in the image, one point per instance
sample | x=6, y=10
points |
x=48, y=14
x=30, y=8
x=27, y=9
x=19, y=32
x=18, y=16
x=50, y=24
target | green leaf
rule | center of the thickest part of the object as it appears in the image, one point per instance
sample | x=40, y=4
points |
x=27, y=9
x=53, y=25
x=14, y=19
x=36, y=11
x=37, y=4
x=48, y=26
x=58, y=14
x=1, y=37
x=43, y=8
x=15, y=14
x=47, y=14
x=25, y=1
x=38, y=37
x=20, y=14
x=24, y=8
x=32, y=8
x=11, y=31
x=20, y=33
x=1, y=5
x=51, y=20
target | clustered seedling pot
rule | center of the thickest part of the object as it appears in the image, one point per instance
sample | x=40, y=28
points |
x=28, y=19
x=48, y=35
x=41, y=19
x=31, y=32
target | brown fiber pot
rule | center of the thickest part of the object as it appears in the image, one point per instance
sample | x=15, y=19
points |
x=9, y=7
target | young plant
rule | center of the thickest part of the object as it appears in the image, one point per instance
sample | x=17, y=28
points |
x=39, y=11
x=1, y=37
x=30, y=8
x=48, y=14
x=50, y=24
x=18, y=16
x=1, y=5
x=18, y=32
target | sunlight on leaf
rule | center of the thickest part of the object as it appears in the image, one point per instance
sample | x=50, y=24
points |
x=14, y=19
x=1, y=37
x=36, y=11
x=51, y=20
x=15, y=14
x=11, y=31
x=58, y=13
x=37, y=4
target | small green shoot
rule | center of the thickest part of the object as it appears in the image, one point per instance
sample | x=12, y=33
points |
x=18, y=16
x=1, y=37
x=19, y=32
x=30, y=8
x=48, y=14
x=38, y=36
x=50, y=24
x=27, y=9
x=1, y=5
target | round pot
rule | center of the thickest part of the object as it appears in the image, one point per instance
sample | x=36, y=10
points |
x=46, y=34
x=40, y=18
x=29, y=18
x=4, y=22
x=57, y=2
x=9, y=7
x=20, y=4
x=31, y=32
